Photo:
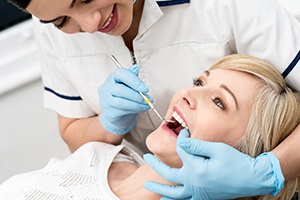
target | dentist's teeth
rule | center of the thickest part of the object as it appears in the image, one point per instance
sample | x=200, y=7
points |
x=179, y=119
x=108, y=21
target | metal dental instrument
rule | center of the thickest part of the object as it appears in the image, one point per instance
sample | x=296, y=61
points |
x=113, y=58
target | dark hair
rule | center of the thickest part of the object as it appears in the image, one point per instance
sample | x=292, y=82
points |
x=21, y=4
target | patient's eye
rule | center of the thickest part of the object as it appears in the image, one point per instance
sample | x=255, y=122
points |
x=219, y=103
x=197, y=82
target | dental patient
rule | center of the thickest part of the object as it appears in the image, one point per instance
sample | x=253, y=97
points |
x=231, y=102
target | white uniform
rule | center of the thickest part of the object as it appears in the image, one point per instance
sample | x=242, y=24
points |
x=176, y=41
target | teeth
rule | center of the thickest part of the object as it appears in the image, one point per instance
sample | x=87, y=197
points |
x=108, y=21
x=179, y=119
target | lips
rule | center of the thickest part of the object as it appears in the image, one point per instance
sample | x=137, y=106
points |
x=178, y=125
x=111, y=22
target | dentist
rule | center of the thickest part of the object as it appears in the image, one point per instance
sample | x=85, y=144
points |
x=167, y=40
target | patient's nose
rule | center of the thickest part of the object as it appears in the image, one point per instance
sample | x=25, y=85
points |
x=189, y=99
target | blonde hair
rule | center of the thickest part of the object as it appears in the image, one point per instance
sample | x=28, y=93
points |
x=275, y=111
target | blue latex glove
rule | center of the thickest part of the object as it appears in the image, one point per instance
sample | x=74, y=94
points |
x=225, y=173
x=120, y=100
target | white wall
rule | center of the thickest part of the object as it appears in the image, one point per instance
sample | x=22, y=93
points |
x=29, y=134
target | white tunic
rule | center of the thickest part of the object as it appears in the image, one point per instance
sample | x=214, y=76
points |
x=176, y=41
x=83, y=175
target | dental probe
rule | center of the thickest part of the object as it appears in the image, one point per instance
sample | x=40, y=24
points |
x=147, y=101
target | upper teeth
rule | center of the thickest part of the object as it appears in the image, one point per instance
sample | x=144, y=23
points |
x=108, y=21
x=180, y=120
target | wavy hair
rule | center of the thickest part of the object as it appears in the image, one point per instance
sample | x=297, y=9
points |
x=275, y=112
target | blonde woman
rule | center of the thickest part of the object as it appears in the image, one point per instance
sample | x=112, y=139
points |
x=275, y=111
x=232, y=102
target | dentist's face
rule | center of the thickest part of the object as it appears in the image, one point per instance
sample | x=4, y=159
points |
x=216, y=109
x=113, y=17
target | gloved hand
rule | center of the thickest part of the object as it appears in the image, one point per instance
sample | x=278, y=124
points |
x=120, y=100
x=225, y=172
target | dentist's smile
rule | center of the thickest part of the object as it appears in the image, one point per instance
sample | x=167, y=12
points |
x=111, y=22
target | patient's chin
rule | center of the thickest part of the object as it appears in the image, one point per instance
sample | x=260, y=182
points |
x=164, y=149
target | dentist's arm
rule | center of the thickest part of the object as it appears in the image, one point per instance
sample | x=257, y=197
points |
x=288, y=155
x=120, y=102
x=76, y=132
x=213, y=171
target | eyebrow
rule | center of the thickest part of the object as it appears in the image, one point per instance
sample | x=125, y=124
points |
x=72, y=4
x=231, y=93
x=207, y=73
x=227, y=89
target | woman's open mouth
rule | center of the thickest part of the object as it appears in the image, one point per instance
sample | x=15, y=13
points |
x=178, y=125
x=111, y=22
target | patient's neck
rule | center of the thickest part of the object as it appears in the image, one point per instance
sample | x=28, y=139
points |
x=126, y=181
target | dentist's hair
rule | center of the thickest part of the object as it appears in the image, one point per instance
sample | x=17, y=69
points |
x=21, y=4
x=275, y=111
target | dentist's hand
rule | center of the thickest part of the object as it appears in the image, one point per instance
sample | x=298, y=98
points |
x=222, y=173
x=120, y=100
